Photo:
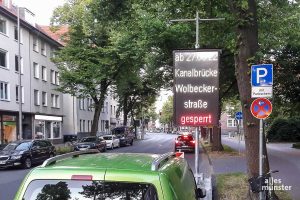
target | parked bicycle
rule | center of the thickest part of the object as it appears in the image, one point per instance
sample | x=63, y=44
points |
x=265, y=184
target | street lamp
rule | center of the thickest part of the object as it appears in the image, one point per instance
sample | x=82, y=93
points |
x=20, y=77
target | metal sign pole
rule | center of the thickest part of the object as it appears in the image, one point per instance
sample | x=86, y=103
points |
x=261, y=154
x=239, y=134
x=197, y=154
x=197, y=20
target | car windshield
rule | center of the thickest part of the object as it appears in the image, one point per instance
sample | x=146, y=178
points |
x=88, y=190
x=18, y=146
x=88, y=139
x=107, y=137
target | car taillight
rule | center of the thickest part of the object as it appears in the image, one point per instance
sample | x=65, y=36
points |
x=176, y=141
x=82, y=177
x=193, y=141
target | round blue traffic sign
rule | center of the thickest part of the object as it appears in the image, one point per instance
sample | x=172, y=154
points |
x=238, y=115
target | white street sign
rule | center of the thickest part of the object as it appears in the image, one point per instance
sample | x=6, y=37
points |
x=264, y=92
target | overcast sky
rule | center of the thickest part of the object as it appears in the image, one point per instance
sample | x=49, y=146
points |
x=41, y=8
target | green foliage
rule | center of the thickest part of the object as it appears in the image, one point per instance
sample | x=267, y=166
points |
x=167, y=112
x=284, y=130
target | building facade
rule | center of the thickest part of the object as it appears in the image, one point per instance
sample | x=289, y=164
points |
x=41, y=105
x=81, y=112
x=46, y=112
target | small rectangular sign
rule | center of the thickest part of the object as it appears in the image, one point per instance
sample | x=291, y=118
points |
x=265, y=92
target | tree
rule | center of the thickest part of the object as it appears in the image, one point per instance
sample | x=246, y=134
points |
x=248, y=52
x=59, y=191
x=89, y=63
x=167, y=112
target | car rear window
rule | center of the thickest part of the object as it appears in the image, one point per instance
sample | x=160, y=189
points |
x=88, y=190
x=185, y=138
x=88, y=139
x=107, y=137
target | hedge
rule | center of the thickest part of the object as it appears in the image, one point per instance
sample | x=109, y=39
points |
x=284, y=130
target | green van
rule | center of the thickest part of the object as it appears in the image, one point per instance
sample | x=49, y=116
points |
x=87, y=175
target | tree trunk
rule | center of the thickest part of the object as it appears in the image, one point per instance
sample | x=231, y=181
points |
x=216, y=136
x=247, y=46
x=96, y=117
x=98, y=106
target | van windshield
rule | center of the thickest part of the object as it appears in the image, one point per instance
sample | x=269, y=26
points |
x=89, y=190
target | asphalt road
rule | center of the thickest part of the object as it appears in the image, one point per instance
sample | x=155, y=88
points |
x=156, y=143
x=281, y=157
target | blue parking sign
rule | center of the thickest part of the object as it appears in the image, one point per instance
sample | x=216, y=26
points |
x=262, y=75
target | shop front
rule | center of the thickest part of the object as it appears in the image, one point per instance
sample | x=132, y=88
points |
x=48, y=127
x=9, y=127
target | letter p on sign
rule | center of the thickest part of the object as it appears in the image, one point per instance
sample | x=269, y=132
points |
x=262, y=75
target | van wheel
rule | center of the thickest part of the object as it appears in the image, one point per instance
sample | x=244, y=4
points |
x=27, y=163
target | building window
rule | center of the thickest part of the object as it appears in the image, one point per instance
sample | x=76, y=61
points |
x=111, y=110
x=88, y=125
x=43, y=48
x=17, y=93
x=35, y=44
x=36, y=70
x=52, y=52
x=231, y=123
x=17, y=64
x=56, y=129
x=3, y=59
x=114, y=110
x=4, y=91
x=83, y=125
x=36, y=94
x=44, y=99
x=56, y=78
x=81, y=104
x=44, y=73
x=80, y=126
x=106, y=107
x=90, y=104
x=55, y=101
x=3, y=26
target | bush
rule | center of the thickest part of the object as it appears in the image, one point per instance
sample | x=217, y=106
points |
x=63, y=150
x=284, y=130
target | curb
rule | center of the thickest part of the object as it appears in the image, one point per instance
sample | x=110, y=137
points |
x=210, y=181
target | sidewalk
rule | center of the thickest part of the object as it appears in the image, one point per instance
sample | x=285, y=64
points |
x=281, y=157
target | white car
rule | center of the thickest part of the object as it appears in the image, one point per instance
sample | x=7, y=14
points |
x=111, y=141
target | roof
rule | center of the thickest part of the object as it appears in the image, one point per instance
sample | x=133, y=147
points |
x=12, y=14
x=58, y=34
x=120, y=161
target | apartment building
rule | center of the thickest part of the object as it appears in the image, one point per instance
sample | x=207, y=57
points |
x=81, y=112
x=47, y=113
x=41, y=104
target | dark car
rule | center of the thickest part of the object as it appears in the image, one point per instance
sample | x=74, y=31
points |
x=125, y=135
x=24, y=153
x=92, y=142
x=185, y=142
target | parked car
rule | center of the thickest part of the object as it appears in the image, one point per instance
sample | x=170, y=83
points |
x=89, y=175
x=185, y=142
x=92, y=142
x=24, y=153
x=124, y=134
x=112, y=141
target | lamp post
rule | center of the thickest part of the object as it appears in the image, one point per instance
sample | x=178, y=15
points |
x=20, y=77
